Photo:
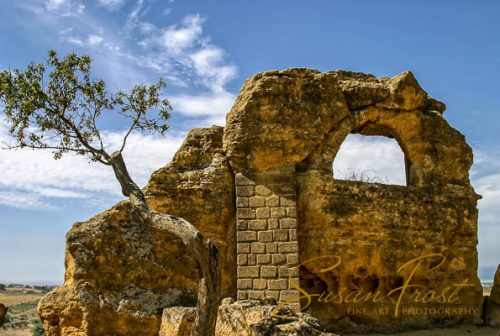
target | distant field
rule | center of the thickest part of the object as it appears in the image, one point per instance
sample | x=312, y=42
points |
x=22, y=319
x=487, y=285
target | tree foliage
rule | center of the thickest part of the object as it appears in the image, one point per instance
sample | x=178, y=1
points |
x=57, y=106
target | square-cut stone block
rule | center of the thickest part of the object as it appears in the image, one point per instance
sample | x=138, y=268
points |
x=287, y=201
x=251, y=260
x=292, y=259
x=248, y=272
x=273, y=223
x=258, y=247
x=265, y=236
x=242, y=259
x=273, y=294
x=288, y=223
x=242, y=225
x=261, y=190
x=271, y=247
x=273, y=201
x=269, y=271
x=242, y=295
x=256, y=295
x=278, y=212
x=245, y=213
x=245, y=191
x=243, y=248
x=263, y=259
x=259, y=283
x=277, y=284
x=257, y=224
x=288, y=247
x=242, y=202
x=257, y=201
x=262, y=213
x=278, y=259
x=280, y=235
x=246, y=236
x=244, y=283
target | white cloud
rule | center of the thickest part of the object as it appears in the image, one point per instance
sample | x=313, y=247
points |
x=23, y=200
x=64, y=7
x=378, y=158
x=94, y=40
x=485, y=178
x=90, y=41
x=186, y=53
x=176, y=39
x=208, y=63
x=181, y=53
x=486, y=182
x=33, y=179
x=212, y=107
x=111, y=5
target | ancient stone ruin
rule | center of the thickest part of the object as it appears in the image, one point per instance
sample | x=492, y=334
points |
x=355, y=255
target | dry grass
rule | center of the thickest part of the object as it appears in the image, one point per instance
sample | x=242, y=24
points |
x=460, y=331
x=15, y=296
x=22, y=303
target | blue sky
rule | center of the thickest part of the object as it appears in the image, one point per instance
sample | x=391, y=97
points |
x=205, y=50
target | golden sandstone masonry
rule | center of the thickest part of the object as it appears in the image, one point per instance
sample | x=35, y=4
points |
x=357, y=256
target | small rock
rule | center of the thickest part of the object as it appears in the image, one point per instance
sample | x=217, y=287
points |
x=3, y=312
x=492, y=311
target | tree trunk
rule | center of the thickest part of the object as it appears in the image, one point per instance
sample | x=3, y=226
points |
x=198, y=246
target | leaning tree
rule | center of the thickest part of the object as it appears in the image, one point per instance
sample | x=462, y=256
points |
x=56, y=106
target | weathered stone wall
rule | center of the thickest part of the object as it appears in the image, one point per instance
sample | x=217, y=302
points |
x=263, y=190
x=267, y=235
x=344, y=219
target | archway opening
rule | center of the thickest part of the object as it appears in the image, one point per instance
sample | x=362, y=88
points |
x=372, y=159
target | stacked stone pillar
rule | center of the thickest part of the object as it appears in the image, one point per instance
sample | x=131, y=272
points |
x=267, y=235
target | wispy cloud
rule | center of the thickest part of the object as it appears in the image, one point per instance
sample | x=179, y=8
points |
x=485, y=177
x=187, y=52
x=111, y=5
x=63, y=7
x=182, y=53
x=33, y=179
x=489, y=206
x=213, y=107
x=88, y=41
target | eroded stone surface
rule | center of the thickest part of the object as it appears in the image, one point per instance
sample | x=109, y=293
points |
x=290, y=125
x=3, y=312
x=245, y=318
x=279, y=117
x=492, y=309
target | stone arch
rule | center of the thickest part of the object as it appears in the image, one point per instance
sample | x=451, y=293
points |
x=435, y=153
x=370, y=158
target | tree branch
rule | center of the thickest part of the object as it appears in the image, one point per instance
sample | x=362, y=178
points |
x=69, y=149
